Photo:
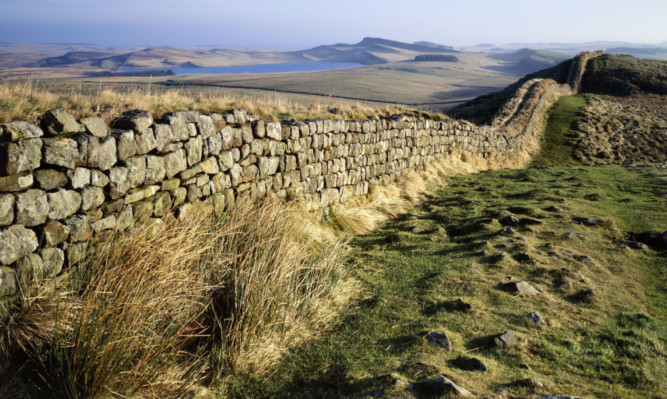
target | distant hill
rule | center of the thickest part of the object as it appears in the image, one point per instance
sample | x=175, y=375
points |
x=529, y=60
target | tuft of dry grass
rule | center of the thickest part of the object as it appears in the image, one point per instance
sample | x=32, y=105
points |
x=28, y=101
x=157, y=310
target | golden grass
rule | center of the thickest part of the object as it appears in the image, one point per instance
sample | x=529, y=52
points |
x=159, y=310
x=28, y=101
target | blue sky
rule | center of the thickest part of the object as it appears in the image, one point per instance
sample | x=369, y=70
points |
x=296, y=24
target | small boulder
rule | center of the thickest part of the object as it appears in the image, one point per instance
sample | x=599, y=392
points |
x=442, y=385
x=520, y=287
x=508, y=231
x=137, y=120
x=438, y=340
x=510, y=220
x=507, y=339
x=58, y=121
x=633, y=245
x=536, y=318
x=471, y=364
x=418, y=230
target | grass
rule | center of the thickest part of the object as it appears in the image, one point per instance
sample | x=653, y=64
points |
x=29, y=100
x=612, y=346
x=557, y=147
x=160, y=311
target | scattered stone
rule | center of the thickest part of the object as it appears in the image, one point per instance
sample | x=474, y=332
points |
x=500, y=246
x=508, y=231
x=633, y=245
x=524, y=366
x=507, y=339
x=498, y=258
x=588, y=294
x=530, y=222
x=461, y=306
x=554, y=209
x=574, y=236
x=504, y=240
x=564, y=285
x=524, y=258
x=16, y=242
x=510, y=220
x=587, y=221
x=520, y=287
x=529, y=383
x=584, y=258
x=482, y=244
x=438, y=340
x=536, y=318
x=560, y=397
x=471, y=364
x=441, y=385
x=419, y=230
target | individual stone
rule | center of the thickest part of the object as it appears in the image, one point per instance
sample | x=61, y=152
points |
x=137, y=120
x=29, y=268
x=7, y=281
x=91, y=198
x=508, y=231
x=79, y=177
x=507, y=339
x=6, y=209
x=442, y=385
x=50, y=179
x=107, y=223
x=32, y=207
x=80, y=228
x=76, y=253
x=141, y=193
x=125, y=218
x=54, y=233
x=145, y=141
x=161, y=204
x=530, y=222
x=53, y=260
x=63, y=203
x=175, y=163
x=155, y=170
x=162, y=137
x=209, y=166
x=170, y=185
x=60, y=152
x=226, y=161
x=119, y=182
x=16, y=242
x=193, y=147
x=587, y=221
x=560, y=397
x=136, y=171
x=58, y=121
x=125, y=144
x=274, y=131
x=19, y=130
x=438, y=340
x=529, y=383
x=178, y=126
x=102, y=153
x=536, y=318
x=520, y=287
x=471, y=364
x=96, y=126
x=633, y=245
x=18, y=182
x=98, y=179
x=20, y=156
x=418, y=230
x=510, y=220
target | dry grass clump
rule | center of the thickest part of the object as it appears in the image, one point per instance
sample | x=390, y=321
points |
x=28, y=101
x=155, y=311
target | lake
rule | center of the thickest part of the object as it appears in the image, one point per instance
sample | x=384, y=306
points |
x=257, y=68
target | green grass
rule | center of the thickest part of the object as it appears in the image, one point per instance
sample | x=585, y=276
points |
x=557, y=147
x=610, y=347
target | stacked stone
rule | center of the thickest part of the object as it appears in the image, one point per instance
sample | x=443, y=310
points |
x=68, y=181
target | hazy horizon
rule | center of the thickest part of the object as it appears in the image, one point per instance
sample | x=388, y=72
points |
x=298, y=24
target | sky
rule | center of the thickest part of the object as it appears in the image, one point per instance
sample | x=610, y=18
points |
x=299, y=24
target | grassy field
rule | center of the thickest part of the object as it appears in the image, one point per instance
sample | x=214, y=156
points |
x=444, y=267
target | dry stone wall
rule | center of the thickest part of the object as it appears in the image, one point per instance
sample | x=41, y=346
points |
x=66, y=182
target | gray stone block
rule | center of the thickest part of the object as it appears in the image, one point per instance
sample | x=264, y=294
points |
x=32, y=207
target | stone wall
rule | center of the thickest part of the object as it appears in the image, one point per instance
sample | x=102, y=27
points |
x=66, y=182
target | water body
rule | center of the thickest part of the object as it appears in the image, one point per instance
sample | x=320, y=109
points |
x=257, y=68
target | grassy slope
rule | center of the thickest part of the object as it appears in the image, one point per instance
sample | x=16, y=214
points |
x=612, y=346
